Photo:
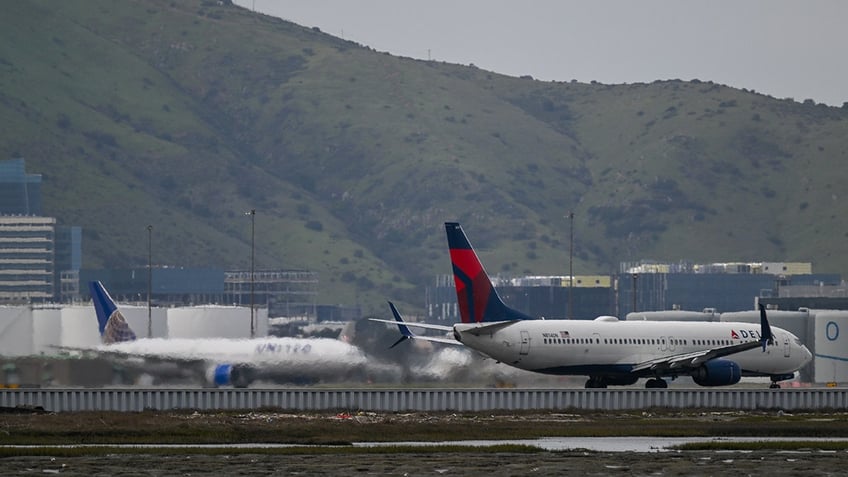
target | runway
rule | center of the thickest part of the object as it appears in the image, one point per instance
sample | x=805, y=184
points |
x=420, y=399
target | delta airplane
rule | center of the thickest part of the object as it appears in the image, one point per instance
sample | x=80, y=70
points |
x=222, y=361
x=608, y=351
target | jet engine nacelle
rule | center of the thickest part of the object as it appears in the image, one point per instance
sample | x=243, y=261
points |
x=238, y=376
x=718, y=372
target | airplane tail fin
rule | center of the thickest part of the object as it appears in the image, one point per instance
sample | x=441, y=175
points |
x=478, y=300
x=113, y=327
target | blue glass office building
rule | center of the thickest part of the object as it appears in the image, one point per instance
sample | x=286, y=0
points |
x=20, y=193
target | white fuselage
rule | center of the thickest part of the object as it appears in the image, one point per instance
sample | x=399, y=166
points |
x=578, y=347
x=310, y=357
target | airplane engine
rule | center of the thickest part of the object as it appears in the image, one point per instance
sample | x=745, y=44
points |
x=238, y=376
x=718, y=372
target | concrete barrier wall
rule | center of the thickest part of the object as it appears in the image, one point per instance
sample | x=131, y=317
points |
x=405, y=400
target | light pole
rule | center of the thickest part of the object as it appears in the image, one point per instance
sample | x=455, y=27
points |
x=571, y=265
x=252, y=254
x=149, y=279
x=635, y=279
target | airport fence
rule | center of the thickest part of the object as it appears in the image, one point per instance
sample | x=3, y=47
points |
x=408, y=400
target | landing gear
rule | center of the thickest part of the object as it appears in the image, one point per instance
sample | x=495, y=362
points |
x=595, y=383
x=241, y=376
x=775, y=379
x=656, y=383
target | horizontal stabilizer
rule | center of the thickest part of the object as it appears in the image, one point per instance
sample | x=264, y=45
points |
x=407, y=334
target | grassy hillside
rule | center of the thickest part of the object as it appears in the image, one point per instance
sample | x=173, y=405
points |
x=184, y=115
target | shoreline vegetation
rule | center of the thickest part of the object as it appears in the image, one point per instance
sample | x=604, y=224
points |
x=43, y=433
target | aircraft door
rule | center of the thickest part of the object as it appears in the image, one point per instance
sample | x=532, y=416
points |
x=596, y=340
x=525, y=343
x=787, y=347
x=663, y=344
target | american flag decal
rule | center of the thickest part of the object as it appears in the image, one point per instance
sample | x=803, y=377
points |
x=564, y=334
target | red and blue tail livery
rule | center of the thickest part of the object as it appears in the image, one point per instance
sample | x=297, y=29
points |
x=477, y=298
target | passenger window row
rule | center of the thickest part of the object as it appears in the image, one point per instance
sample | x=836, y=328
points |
x=639, y=341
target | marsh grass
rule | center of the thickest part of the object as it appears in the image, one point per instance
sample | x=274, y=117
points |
x=799, y=445
x=88, y=451
x=188, y=427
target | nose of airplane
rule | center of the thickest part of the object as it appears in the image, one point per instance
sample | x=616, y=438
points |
x=807, y=355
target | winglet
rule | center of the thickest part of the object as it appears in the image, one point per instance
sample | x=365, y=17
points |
x=406, y=334
x=113, y=327
x=766, y=338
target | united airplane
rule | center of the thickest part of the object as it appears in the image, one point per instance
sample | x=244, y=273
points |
x=608, y=351
x=222, y=361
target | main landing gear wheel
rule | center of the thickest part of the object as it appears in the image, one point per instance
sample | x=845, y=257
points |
x=595, y=383
x=774, y=385
x=656, y=384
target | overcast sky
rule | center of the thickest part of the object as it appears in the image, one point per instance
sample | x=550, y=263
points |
x=782, y=48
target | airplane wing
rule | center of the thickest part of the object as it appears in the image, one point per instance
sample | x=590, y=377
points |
x=151, y=363
x=692, y=360
x=407, y=334
x=119, y=355
x=695, y=359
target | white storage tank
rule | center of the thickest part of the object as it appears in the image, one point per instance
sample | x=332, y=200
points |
x=136, y=316
x=16, y=331
x=709, y=314
x=830, y=357
x=215, y=322
x=47, y=330
x=79, y=327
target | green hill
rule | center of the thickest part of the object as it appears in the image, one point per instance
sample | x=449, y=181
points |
x=186, y=114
